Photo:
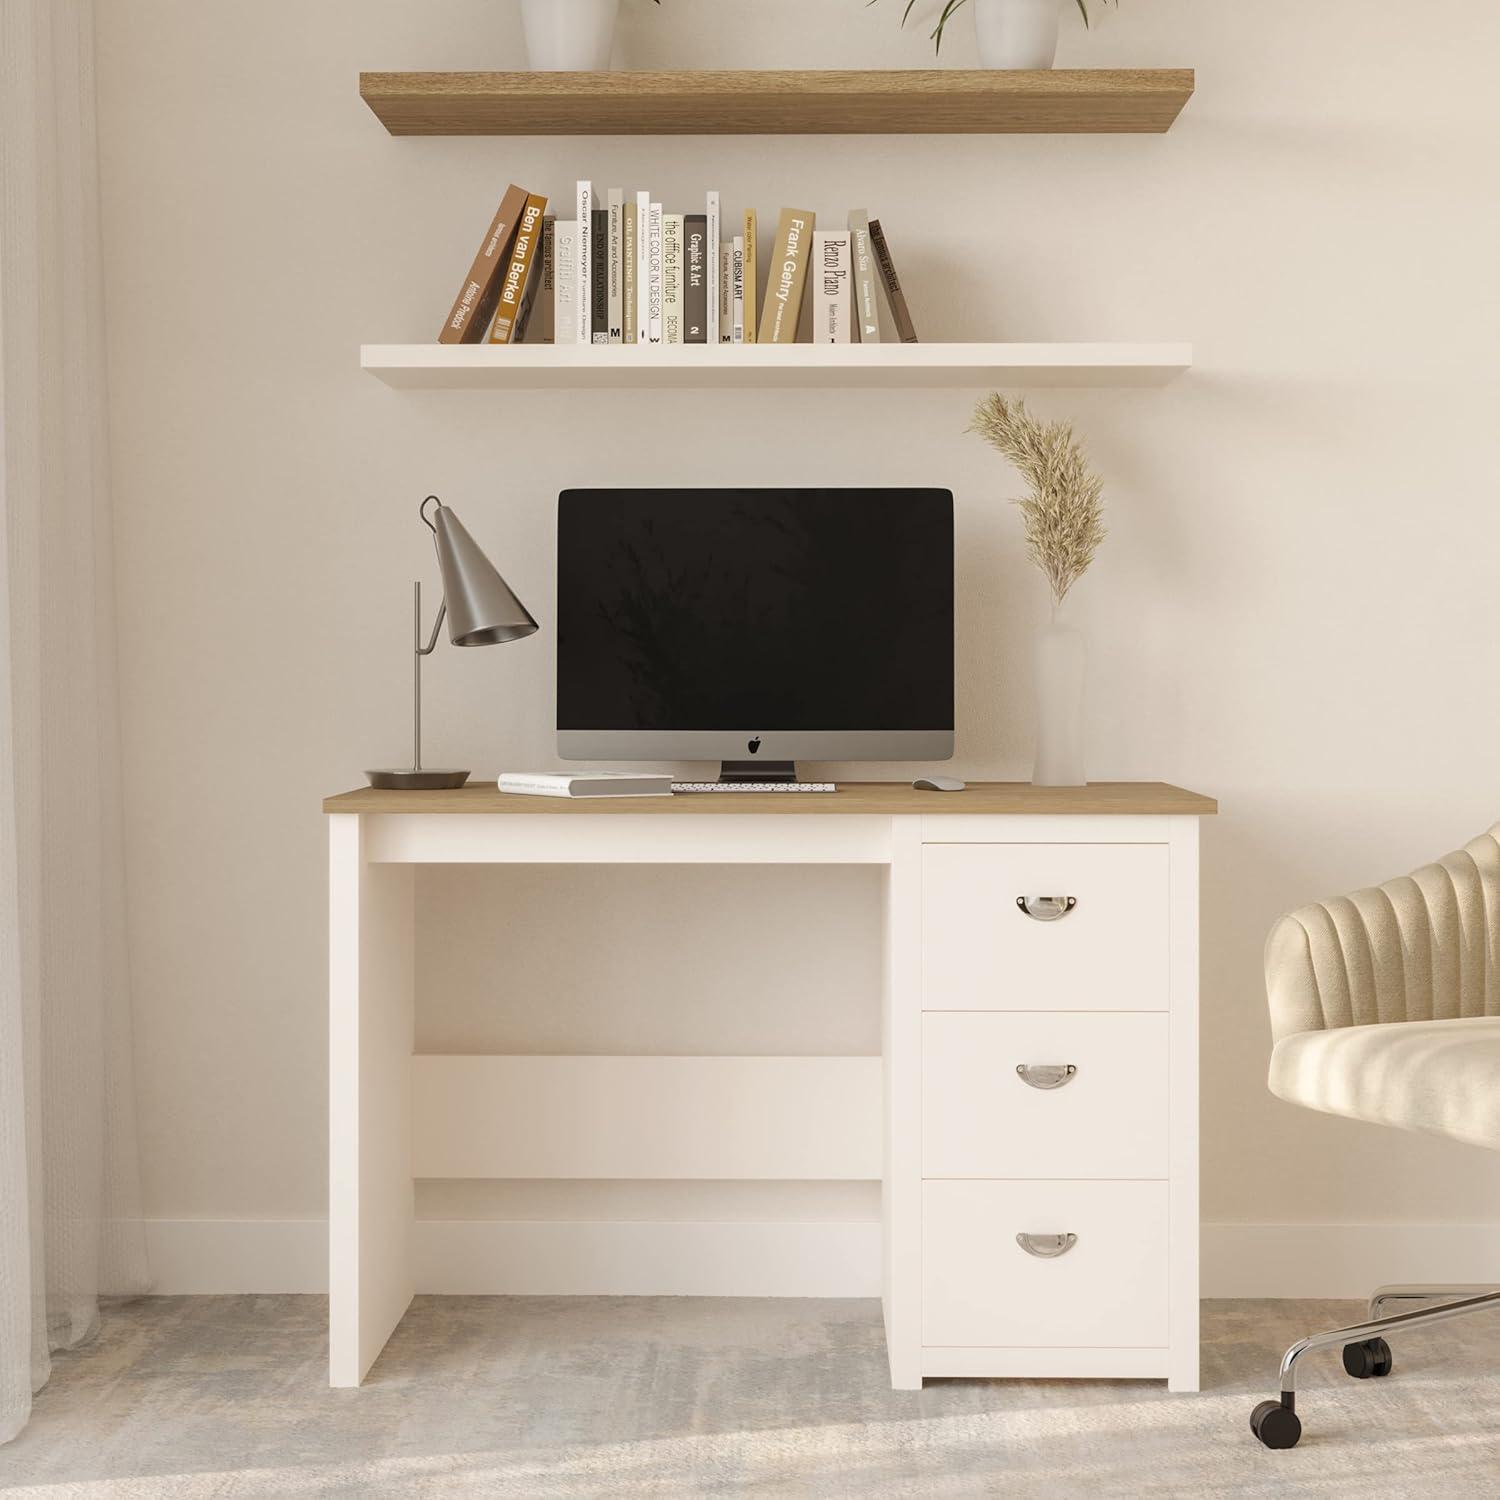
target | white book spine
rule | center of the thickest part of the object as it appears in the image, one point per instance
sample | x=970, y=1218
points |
x=864, y=274
x=715, y=239
x=737, y=289
x=830, y=270
x=643, y=268
x=616, y=205
x=585, y=263
x=654, y=276
x=671, y=278
x=565, y=274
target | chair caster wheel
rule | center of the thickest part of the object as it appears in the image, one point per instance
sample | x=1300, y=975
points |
x=1275, y=1425
x=1372, y=1357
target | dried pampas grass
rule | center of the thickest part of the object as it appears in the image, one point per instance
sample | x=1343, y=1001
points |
x=1064, y=513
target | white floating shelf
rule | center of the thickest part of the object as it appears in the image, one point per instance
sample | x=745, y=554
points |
x=771, y=366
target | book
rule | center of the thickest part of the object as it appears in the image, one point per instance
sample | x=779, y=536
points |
x=671, y=278
x=788, y=272
x=752, y=275
x=594, y=784
x=712, y=261
x=900, y=314
x=737, y=289
x=517, y=286
x=616, y=278
x=695, y=282
x=542, y=329
x=565, y=274
x=831, y=304
x=862, y=264
x=656, y=281
x=584, y=260
x=599, y=277
x=643, y=268
x=629, y=286
x=473, y=308
x=726, y=292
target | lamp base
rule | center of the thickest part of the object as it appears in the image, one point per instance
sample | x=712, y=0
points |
x=417, y=781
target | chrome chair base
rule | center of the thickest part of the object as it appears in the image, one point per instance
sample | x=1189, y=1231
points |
x=1366, y=1352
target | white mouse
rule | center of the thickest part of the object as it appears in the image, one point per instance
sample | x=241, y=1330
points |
x=938, y=784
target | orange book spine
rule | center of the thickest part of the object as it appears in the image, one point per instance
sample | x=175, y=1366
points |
x=475, y=304
x=516, y=284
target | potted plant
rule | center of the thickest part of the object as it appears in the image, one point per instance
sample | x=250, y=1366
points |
x=1011, y=33
x=570, y=36
x=1064, y=522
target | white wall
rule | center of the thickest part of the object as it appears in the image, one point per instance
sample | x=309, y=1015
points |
x=1295, y=609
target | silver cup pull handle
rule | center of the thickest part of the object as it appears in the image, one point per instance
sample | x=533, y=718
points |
x=1046, y=1075
x=1046, y=1246
x=1046, y=908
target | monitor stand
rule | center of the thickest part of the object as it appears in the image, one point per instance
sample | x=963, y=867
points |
x=757, y=770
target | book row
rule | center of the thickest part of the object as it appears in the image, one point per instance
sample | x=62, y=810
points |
x=624, y=271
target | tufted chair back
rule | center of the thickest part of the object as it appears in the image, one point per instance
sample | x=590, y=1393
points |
x=1425, y=947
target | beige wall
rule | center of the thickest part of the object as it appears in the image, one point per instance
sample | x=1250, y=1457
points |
x=1295, y=609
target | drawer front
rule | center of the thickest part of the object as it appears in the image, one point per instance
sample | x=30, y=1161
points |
x=981, y=1118
x=980, y=1288
x=1108, y=951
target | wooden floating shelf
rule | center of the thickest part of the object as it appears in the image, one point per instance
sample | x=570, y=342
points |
x=938, y=101
x=771, y=366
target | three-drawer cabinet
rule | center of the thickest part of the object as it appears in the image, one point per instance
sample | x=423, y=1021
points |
x=1055, y=1100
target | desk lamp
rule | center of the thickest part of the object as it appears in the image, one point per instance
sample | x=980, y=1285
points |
x=480, y=610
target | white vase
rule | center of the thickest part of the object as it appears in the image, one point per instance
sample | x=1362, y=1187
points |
x=569, y=36
x=1061, y=663
x=1016, y=33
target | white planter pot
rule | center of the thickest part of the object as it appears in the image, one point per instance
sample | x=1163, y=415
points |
x=1061, y=660
x=569, y=36
x=1016, y=33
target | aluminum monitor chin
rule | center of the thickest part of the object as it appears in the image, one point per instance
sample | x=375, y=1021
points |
x=773, y=624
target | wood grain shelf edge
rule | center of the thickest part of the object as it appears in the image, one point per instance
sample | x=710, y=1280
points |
x=890, y=102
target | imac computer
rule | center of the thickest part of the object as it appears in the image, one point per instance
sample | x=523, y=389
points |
x=755, y=627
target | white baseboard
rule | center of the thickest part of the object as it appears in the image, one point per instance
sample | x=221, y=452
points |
x=623, y=1259
x=803, y=1259
x=191, y=1257
x=1343, y=1260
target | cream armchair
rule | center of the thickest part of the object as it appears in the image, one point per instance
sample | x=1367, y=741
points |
x=1385, y=1007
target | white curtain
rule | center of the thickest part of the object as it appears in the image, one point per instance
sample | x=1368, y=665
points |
x=69, y=1179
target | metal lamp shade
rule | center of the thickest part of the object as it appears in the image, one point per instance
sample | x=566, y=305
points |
x=482, y=610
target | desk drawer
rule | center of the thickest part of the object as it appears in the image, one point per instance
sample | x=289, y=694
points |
x=1107, y=951
x=980, y=1118
x=981, y=1288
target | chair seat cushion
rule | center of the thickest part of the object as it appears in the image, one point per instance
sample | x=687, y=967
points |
x=1437, y=1076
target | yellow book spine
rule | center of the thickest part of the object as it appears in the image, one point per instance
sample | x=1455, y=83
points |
x=786, y=276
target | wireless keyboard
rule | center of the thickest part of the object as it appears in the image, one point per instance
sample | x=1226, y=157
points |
x=754, y=786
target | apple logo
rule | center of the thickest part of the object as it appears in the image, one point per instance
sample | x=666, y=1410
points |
x=754, y=746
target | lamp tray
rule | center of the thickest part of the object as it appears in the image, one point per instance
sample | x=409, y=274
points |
x=417, y=781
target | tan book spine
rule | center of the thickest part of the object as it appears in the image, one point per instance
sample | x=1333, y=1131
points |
x=475, y=304
x=786, y=275
x=542, y=329
x=752, y=276
x=516, y=285
x=894, y=296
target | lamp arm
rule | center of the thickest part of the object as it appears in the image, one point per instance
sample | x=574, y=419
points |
x=418, y=652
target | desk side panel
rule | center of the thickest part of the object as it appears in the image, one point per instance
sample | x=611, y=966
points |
x=1184, y=1233
x=901, y=1196
x=371, y=968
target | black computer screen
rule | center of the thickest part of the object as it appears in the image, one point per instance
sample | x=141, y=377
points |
x=816, y=609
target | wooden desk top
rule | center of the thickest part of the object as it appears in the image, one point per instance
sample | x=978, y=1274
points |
x=883, y=798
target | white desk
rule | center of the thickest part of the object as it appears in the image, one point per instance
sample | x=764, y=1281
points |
x=971, y=1153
